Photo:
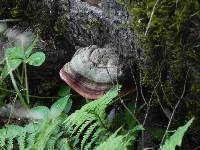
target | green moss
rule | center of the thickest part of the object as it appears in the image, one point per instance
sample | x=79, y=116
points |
x=94, y=24
x=164, y=45
x=16, y=12
x=122, y=26
x=7, y=9
x=171, y=48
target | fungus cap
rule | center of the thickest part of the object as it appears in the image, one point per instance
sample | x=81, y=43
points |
x=93, y=2
x=93, y=71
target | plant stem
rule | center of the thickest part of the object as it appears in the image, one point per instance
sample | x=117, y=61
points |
x=18, y=76
x=11, y=111
x=25, y=73
x=26, y=82
x=175, y=108
x=15, y=84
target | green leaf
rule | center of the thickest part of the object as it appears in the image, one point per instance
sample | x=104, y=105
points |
x=114, y=142
x=59, y=106
x=13, y=64
x=176, y=138
x=14, y=56
x=36, y=59
x=64, y=90
x=68, y=106
x=39, y=112
x=14, y=53
x=30, y=48
x=138, y=128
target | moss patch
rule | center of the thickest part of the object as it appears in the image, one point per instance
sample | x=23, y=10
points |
x=171, y=48
x=93, y=24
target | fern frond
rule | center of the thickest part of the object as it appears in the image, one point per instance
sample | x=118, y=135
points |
x=88, y=134
x=99, y=133
x=46, y=131
x=37, y=136
x=10, y=144
x=90, y=110
x=72, y=120
x=32, y=130
x=33, y=136
x=63, y=144
x=176, y=138
x=89, y=119
x=52, y=141
x=11, y=132
x=80, y=131
x=21, y=140
x=30, y=140
x=114, y=142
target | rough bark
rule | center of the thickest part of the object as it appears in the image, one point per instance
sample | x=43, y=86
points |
x=66, y=25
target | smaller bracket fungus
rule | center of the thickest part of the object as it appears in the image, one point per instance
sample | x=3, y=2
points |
x=93, y=71
x=95, y=3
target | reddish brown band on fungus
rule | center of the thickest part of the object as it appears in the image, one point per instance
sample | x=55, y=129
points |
x=79, y=88
x=93, y=2
x=86, y=91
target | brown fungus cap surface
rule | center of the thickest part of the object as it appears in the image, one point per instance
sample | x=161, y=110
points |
x=93, y=71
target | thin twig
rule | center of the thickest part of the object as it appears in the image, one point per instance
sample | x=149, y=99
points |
x=129, y=111
x=141, y=89
x=11, y=111
x=176, y=106
x=147, y=111
x=158, y=98
x=197, y=148
x=177, y=3
x=151, y=17
x=10, y=20
x=166, y=96
x=149, y=103
x=136, y=87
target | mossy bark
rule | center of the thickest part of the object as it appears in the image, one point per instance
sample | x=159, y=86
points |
x=171, y=44
x=171, y=52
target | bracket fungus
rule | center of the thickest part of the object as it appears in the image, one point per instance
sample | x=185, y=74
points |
x=93, y=71
x=95, y=3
